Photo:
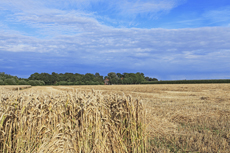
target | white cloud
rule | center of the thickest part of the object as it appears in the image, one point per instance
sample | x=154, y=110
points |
x=147, y=6
x=123, y=6
x=129, y=43
x=69, y=12
x=220, y=15
x=78, y=37
x=127, y=6
x=208, y=18
x=25, y=5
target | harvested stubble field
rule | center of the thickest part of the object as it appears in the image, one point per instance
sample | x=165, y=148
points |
x=15, y=87
x=118, y=118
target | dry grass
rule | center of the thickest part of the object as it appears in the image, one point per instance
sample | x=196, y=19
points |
x=15, y=87
x=38, y=121
x=180, y=118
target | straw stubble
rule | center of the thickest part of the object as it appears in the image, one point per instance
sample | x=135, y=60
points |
x=70, y=122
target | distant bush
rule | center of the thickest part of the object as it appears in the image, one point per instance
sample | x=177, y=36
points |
x=88, y=83
x=2, y=78
x=91, y=83
x=76, y=83
x=37, y=82
x=186, y=81
x=70, y=83
x=81, y=83
x=2, y=82
x=42, y=83
x=63, y=83
x=10, y=82
x=32, y=82
x=22, y=82
x=95, y=83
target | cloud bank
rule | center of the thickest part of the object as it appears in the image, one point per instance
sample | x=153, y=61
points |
x=41, y=37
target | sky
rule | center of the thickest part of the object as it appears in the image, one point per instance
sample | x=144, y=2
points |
x=164, y=39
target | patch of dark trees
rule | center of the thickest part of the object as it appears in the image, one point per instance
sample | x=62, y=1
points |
x=38, y=79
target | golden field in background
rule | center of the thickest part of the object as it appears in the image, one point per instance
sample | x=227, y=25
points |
x=15, y=87
x=178, y=118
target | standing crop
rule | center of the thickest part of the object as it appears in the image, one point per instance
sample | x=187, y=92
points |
x=70, y=122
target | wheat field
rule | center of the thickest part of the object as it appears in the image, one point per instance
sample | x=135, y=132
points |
x=116, y=118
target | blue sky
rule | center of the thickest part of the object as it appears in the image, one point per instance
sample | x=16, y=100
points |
x=166, y=39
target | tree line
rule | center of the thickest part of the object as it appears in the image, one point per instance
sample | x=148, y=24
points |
x=188, y=81
x=6, y=79
x=127, y=78
x=38, y=79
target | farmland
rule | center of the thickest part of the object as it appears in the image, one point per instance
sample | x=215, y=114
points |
x=151, y=118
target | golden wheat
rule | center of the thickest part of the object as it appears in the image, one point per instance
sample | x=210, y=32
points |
x=181, y=118
x=176, y=118
x=70, y=122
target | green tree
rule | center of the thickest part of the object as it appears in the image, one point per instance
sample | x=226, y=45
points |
x=35, y=76
x=89, y=77
x=63, y=83
x=98, y=78
x=70, y=83
x=125, y=81
x=54, y=78
x=120, y=81
x=22, y=82
x=113, y=78
x=120, y=75
x=78, y=77
x=97, y=75
x=32, y=82
x=2, y=82
x=147, y=78
x=46, y=77
x=139, y=77
x=153, y=79
x=42, y=83
x=87, y=82
x=37, y=82
x=10, y=81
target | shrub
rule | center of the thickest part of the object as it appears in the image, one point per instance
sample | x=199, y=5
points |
x=70, y=83
x=42, y=83
x=37, y=82
x=91, y=83
x=32, y=82
x=186, y=81
x=2, y=82
x=80, y=83
x=22, y=82
x=63, y=83
x=10, y=82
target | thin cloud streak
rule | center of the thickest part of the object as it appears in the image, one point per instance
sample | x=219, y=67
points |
x=75, y=40
x=197, y=50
